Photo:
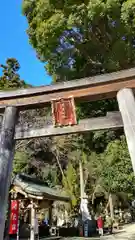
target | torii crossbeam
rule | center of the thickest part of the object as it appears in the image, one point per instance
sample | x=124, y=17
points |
x=87, y=89
x=119, y=84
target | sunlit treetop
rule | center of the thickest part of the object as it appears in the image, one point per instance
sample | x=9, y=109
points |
x=81, y=38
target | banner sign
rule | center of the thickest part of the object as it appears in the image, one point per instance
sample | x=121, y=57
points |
x=63, y=111
x=14, y=217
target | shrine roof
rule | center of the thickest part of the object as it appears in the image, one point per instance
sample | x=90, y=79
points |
x=32, y=187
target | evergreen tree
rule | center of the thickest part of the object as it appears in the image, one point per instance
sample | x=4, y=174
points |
x=10, y=78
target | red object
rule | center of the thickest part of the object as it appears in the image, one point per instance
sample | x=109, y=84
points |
x=14, y=217
x=100, y=222
x=63, y=111
x=81, y=231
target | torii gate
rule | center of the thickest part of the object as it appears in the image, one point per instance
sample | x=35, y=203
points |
x=119, y=84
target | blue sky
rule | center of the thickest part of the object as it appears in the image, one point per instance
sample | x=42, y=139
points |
x=14, y=43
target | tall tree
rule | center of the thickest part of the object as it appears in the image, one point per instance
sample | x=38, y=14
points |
x=81, y=38
x=10, y=78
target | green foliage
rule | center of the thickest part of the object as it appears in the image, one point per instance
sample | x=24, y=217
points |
x=118, y=174
x=128, y=14
x=20, y=163
x=10, y=78
x=82, y=38
x=70, y=183
x=112, y=170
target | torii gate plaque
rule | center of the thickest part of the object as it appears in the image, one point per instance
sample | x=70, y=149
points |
x=119, y=84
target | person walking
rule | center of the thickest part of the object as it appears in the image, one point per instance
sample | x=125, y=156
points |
x=100, y=225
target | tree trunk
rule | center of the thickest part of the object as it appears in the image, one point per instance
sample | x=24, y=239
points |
x=111, y=206
x=81, y=181
x=59, y=165
x=6, y=158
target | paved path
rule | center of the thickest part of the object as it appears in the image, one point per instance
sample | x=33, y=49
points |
x=81, y=238
x=128, y=233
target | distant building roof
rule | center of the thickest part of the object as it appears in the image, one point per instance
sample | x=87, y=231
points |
x=34, y=188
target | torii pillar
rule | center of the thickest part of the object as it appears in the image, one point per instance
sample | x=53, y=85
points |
x=126, y=102
x=7, y=144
